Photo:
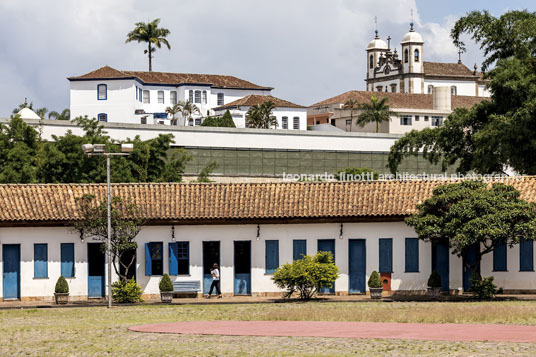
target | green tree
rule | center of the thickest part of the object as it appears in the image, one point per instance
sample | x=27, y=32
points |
x=224, y=121
x=307, y=276
x=377, y=111
x=469, y=213
x=18, y=148
x=64, y=115
x=126, y=225
x=206, y=171
x=261, y=116
x=173, y=111
x=352, y=105
x=498, y=132
x=188, y=109
x=152, y=34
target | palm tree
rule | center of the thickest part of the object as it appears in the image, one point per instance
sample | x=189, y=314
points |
x=174, y=110
x=377, y=111
x=64, y=115
x=188, y=109
x=352, y=105
x=260, y=116
x=152, y=34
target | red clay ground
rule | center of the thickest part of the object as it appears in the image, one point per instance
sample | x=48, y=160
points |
x=404, y=331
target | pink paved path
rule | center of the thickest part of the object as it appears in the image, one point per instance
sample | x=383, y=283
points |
x=391, y=330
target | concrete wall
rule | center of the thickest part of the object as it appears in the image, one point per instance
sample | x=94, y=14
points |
x=239, y=116
x=261, y=283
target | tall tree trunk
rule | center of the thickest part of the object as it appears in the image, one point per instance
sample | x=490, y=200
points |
x=150, y=58
x=377, y=126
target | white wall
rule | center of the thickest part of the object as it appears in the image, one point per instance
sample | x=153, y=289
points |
x=261, y=282
x=462, y=87
x=239, y=117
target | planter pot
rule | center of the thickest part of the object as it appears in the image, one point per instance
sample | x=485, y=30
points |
x=61, y=298
x=376, y=293
x=166, y=296
x=434, y=292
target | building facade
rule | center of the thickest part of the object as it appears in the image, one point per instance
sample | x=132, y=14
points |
x=386, y=72
x=249, y=230
x=136, y=97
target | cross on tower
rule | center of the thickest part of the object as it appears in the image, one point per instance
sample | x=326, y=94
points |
x=376, y=26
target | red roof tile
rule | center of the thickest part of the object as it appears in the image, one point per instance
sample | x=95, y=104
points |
x=255, y=99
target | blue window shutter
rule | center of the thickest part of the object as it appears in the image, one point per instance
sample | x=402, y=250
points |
x=272, y=256
x=386, y=255
x=499, y=257
x=412, y=255
x=526, y=255
x=148, y=261
x=67, y=260
x=299, y=249
x=40, y=261
x=183, y=258
x=173, y=259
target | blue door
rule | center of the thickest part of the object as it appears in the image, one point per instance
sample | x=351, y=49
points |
x=357, y=262
x=211, y=255
x=242, y=267
x=96, y=264
x=470, y=257
x=327, y=245
x=11, y=272
x=440, y=262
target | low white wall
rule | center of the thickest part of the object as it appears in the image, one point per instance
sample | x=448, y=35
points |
x=261, y=282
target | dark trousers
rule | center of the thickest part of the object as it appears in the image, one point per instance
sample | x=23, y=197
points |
x=215, y=284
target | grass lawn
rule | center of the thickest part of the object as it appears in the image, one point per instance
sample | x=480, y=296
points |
x=99, y=331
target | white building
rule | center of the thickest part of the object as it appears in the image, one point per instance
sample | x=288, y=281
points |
x=386, y=72
x=139, y=97
x=249, y=229
x=289, y=116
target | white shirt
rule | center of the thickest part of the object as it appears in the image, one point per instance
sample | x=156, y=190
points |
x=215, y=274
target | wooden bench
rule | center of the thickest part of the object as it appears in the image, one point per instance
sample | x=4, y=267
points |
x=187, y=287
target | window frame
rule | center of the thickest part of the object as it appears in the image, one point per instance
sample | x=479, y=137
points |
x=64, y=262
x=411, y=266
x=296, y=243
x=105, y=91
x=284, y=122
x=148, y=92
x=296, y=123
x=416, y=55
x=173, y=97
x=383, y=267
x=160, y=98
x=148, y=254
x=522, y=244
x=105, y=117
x=204, y=97
x=406, y=56
x=436, y=120
x=220, y=98
x=271, y=263
x=174, y=248
x=371, y=61
x=403, y=119
x=501, y=249
x=44, y=265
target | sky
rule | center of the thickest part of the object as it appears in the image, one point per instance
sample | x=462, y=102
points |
x=308, y=50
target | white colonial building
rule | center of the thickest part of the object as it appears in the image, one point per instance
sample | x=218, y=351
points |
x=386, y=72
x=289, y=116
x=137, y=97
x=249, y=230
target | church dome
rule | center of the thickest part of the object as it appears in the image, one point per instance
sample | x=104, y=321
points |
x=27, y=113
x=412, y=36
x=377, y=44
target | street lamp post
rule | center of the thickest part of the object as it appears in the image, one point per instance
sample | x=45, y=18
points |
x=100, y=150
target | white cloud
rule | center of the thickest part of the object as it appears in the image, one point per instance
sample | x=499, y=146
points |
x=308, y=50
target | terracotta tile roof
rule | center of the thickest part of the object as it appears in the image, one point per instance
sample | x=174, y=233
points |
x=448, y=69
x=401, y=100
x=228, y=203
x=214, y=80
x=254, y=99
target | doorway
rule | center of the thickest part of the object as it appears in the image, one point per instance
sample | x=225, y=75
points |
x=211, y=255
x=96, y=268
x=440, y=262
x=242, y=267
x=470, y=257
x=11, y=271
x=357, y=263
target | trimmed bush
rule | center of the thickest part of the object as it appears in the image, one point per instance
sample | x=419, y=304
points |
x=483, y=288
x=165, y=284
x=374, y=281
x=61, y=286
x=307, y=276
x=129, y=292
x=434, y=281
x=225, y=121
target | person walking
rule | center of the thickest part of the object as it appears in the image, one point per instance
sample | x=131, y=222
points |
x=215, y=272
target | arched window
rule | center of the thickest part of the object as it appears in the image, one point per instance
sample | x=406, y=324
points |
x=453, y=90
x=416, y=55
x=371, y=61
x=406, y=56
x=102, y=117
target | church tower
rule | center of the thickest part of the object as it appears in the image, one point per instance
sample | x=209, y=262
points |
x=375, y=48
x=412, y=62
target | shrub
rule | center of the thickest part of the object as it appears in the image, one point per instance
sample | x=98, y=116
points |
x=483, y=288
x=206, y=171
x=61, y=286
x=225, y=121
x=356, y=174
x=165, y=284
x=128, y=292
x=434, y=281
x=374, y=281
x=307, y=276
